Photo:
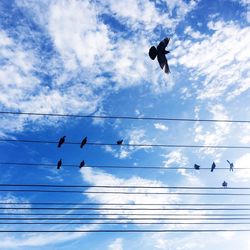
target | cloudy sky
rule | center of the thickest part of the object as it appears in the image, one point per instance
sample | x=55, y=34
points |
x=90, y=57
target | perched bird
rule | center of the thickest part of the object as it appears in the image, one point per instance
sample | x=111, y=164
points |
x=213, y=167
x=59, y=164
x=197, y=167
x=61, y=141
x=81, y=164
x=119, y=142
x=160, y=53
x=84, y=141
x=231, y=165
x=224, y=184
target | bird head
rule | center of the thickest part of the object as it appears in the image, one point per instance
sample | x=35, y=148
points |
x=152, y=52
x=167, y=51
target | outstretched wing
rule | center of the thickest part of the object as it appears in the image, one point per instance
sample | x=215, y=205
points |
x=166, y=41
x=163, y=44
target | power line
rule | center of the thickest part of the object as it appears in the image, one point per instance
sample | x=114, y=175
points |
x=128, y=145
x=124, y=117
x=138, y=218
x=121, y=192
x=120, y=186
x=121, y=214
x=124, y=223
x=123, y=204
x=123, y=209
x=111, y=166
x=128, y=231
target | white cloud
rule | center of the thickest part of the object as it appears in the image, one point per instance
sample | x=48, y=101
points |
x=98, y=177
x=161, y=126
x=83, y=48
x=116, y=245
x=220, y=60
x=242, y=162
x=217, y=132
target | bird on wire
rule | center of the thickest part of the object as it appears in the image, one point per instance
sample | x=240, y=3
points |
x=59, y=164
x=61, y=141
x=84, y=141
x=197, y=167
x=82, y=163
x=119, y=142
x=213, y=167
x=224, y=184
x=160, y=53
x=231, y=165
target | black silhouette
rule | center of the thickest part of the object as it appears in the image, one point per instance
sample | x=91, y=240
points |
x=59, y=164
x=61, y=141
x=231, y=165
x=197, y=167
x=81, y=164
x=224, y=184
x=213, y=167
x=84, y=141
x=119, y=142
x=160, y=52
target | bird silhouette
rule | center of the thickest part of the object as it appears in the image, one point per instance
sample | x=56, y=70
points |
x=61, y=141
x=231, y=165
x=197, y=167
x=119, y=142
x=59, y=164
x=81, y=164
x=160, y=53
x=84, y=141
x=224, y=184
x=213, y=167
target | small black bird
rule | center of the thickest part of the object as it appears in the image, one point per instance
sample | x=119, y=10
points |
x=81, y=164
x=231, y=165
x=61, y=141
x=59, y=164
x=213, y=167
x=224, y=184
x=84, y=141
x=197, y=167
x=160, y=52
x=119, y=142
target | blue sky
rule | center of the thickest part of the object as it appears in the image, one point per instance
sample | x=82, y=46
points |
x=91, y=57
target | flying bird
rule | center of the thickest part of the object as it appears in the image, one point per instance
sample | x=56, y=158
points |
x=197, y=167
x=119, y=142
x=160, y=53
x=231, y=165
x=59, y=164
x=224, y=184
x=81, y=164
x=213, y=167
x=61, y=141
x=84, y=141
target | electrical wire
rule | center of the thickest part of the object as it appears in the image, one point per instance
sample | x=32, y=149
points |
x=124, y=209
x=113, y=166
x=131, y=219
x=129, y=231
x=127, y=145
x=124, y=223
x=124, y=117
x=120, y=186
x=123, y=204
x=121, y=214
x=120, y=192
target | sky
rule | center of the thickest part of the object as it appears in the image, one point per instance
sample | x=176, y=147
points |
x=90, y=57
